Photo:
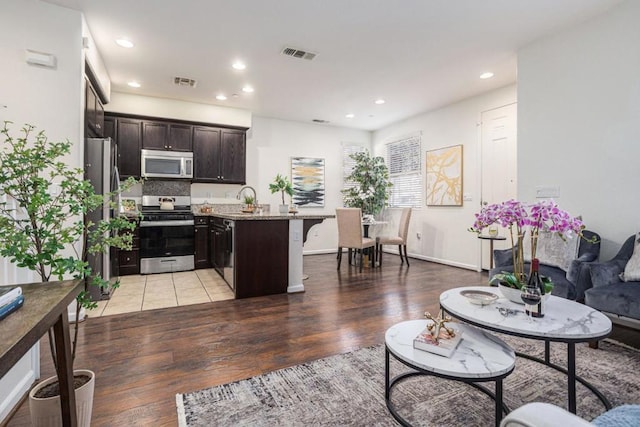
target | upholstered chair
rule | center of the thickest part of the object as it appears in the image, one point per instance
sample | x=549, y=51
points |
x=350, y=234
x=400, y=239
x=609, y=292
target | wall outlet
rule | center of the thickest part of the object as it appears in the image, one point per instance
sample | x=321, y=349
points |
x=419, y=235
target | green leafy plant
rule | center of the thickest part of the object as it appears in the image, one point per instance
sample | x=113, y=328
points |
x=283, y=185
x=371, y=178
x=510, y=280
x=46, y=231
x=248, y=200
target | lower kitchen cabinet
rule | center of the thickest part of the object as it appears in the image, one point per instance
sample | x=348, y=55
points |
x=129, y=261
x=202, y=259
x=261, y=257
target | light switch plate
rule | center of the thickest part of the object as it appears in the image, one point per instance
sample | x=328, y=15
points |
x=467, y=197
x=547, y=191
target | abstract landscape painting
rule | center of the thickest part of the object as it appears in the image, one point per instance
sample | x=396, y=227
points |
x=444, y=176
x=307, y=176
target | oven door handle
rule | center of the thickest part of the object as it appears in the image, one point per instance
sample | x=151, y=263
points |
x=170, y=223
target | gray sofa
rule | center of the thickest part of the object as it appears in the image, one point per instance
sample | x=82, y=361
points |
x=608, y=293
x=570, y=284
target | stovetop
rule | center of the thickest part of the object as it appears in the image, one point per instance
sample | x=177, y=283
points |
x=181, y=208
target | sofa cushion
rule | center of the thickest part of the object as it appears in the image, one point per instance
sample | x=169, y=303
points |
x=631, y=271
x=553, y=250
x=618, y=298
x=622, y=416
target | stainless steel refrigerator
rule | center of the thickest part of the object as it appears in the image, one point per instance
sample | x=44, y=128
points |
x=102, y=171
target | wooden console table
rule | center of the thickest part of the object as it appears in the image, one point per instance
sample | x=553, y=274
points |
x=45, y=306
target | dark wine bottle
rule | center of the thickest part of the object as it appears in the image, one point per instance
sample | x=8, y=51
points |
x=536, y=282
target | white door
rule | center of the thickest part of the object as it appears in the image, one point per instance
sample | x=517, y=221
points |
x=498, y=165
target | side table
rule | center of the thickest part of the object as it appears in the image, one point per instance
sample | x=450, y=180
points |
x=480, y=357
x=490, y=239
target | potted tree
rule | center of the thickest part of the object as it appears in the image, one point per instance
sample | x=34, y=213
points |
x=48, y=234
x=282, y=184
x=370, y=191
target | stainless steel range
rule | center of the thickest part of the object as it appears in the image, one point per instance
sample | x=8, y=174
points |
x=167, y=238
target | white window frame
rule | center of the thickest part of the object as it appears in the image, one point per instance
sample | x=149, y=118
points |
x=406, y=171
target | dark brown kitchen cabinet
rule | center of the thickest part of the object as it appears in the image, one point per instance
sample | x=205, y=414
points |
x=202, y=257
x=128, y=139
x=219, y=155
x=206, y=154
x=110, y=128
x=94, y=112
x=129, y=261
x=166, y=136
x=233, y=156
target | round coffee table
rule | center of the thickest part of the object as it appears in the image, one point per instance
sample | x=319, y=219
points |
x=479, y=357
x=564, y=321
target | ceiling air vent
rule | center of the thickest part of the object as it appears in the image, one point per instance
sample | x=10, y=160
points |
x=183, y=81
x=298, y=53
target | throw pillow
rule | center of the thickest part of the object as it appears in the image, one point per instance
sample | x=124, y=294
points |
x=553, y=250
x=632, y=269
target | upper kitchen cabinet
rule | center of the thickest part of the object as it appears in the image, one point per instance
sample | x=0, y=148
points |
x=233, y=158
x=128, y=140
x=166, y=136
x=219, y=155
x=94, y=112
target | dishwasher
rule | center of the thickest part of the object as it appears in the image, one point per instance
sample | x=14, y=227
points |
x=229, y=245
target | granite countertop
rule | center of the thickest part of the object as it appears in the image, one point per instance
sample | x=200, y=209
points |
x=239, y=216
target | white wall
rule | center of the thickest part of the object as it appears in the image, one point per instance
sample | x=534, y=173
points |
x=270, y=145
x=50, y=99
x=579, y=122
x=174, y=109
x=445, y=238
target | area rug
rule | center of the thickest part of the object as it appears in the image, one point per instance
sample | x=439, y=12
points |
x=348, y=389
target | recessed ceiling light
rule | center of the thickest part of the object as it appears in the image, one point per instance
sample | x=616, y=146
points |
x=380, y=101
x=221, y=97
x=134, y=84
x=239, y=65
x=247, y=89
x=486, y=75
x=124, y=43
x=350, y=116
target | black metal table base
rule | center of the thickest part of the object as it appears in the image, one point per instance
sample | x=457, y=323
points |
x=570, y=370
x=389, y=384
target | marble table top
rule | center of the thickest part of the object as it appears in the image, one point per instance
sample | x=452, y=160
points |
x=564, y=320
x=479, y=354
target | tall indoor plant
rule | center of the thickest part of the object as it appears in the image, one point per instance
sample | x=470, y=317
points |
x=370, y=177
x=282, y=184
x=46, y=231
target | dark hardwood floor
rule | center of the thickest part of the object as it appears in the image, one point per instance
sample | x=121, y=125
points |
x=143, y=359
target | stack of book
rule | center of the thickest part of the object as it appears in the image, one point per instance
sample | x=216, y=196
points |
x=11, y=299
x=444, y=345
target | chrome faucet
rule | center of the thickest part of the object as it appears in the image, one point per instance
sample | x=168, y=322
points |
x=248, y=187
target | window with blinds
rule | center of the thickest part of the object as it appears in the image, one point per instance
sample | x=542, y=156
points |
x=348, y=163
x=404, y=160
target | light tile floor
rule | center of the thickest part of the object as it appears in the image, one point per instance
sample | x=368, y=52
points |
x=147, y=292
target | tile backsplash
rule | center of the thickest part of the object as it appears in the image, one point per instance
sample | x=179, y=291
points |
x=166, y=188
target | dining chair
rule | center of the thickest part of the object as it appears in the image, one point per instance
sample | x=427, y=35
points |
x=400, y=239
x=350, y=234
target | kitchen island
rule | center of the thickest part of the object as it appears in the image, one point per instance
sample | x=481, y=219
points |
x=262, y=253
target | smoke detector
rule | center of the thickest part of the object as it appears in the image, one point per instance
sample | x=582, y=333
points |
x=298, y=53
x=183, y=81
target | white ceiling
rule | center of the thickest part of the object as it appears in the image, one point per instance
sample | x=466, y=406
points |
x=418, y=55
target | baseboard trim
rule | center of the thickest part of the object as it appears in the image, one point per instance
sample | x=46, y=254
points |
x=416, y=256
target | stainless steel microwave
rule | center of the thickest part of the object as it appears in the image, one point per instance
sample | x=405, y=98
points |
x=166, y=164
